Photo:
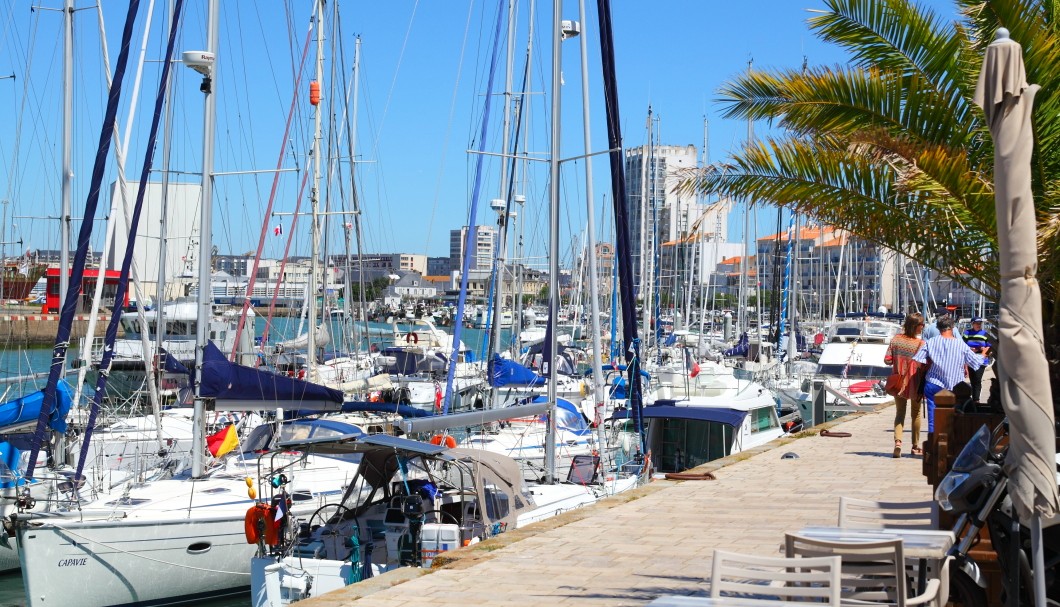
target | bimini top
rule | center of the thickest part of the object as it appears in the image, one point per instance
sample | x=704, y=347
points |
x=669, y=409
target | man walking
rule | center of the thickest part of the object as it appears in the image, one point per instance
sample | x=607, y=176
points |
x=978, y=340
x=948, y=357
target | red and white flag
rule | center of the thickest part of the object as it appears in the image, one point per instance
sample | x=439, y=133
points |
x=691, y=364
x=278, y=229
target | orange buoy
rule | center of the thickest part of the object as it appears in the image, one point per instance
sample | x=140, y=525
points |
x=447, y=440
x=314, y=93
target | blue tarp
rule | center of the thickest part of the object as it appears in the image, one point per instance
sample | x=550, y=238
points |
x=224, y=380
x=668, y=409
x=507, y=372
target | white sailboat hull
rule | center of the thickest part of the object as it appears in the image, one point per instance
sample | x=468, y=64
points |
x=103, y=563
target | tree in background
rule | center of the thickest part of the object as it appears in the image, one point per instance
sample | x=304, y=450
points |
x=890, y=146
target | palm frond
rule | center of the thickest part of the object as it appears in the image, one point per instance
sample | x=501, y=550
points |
x=846, y=100
x=893, y=35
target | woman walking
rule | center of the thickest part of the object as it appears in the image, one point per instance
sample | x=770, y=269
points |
x=899, y=355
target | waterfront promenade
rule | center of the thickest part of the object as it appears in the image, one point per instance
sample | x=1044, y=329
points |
x=659, y=539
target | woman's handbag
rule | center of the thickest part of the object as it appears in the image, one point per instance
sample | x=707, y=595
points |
x=896, y=384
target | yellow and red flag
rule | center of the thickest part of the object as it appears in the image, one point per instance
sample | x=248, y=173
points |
x=223, y=441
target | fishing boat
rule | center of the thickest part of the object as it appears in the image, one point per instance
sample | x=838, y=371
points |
x=19, y=278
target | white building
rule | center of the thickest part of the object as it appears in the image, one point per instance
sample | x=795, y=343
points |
x=182, y=234
x=485, y=247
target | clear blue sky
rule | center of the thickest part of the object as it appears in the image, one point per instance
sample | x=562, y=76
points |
x=424, y=68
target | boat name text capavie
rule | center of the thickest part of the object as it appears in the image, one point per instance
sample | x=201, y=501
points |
x=73, y=562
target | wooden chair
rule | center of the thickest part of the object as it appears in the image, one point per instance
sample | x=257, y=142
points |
x=765, y=580
x=872, y=572
x=904, y=515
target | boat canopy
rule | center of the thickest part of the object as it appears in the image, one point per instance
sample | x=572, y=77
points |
x=668, y=409
x=235, y=387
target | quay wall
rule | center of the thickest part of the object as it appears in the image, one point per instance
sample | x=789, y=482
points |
x=36, y=329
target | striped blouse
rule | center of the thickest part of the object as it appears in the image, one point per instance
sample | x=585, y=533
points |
x=949, y=356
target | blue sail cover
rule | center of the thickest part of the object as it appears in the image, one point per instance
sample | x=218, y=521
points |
x=507, y=372
x=27, y=408
x=18, y=412
x=236, y=386
x=741, y=348
x=568, y=416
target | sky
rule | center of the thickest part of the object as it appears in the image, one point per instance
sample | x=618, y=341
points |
x=421, y=98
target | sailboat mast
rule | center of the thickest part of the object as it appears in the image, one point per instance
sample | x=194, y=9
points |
x=68, y=148
x=594, y=287
x=742, y=321
x=314, y=199
x=503, y=214
x=204, y=300
x=553, y=239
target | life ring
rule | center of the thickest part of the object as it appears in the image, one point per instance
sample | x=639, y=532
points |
x=412, y=338
x=447, y=440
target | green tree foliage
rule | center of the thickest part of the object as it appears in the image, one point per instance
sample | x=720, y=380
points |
x=890, y=146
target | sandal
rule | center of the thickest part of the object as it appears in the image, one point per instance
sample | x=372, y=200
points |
x=916, y=451
x=897, y=449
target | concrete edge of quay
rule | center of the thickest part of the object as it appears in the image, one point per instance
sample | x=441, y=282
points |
x=469, y=556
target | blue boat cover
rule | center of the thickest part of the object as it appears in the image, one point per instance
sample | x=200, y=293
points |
x=225, y=380
x=27, y=408
x=568, y=417
x=741, y=348
x=507, y=372
x=18, y=412
x=670, y=410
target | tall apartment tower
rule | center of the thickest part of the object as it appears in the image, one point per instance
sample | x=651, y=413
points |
x=485, y=248
x=663, y=221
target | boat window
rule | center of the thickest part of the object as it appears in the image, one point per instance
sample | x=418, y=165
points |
x=497, y=504
x=131, y=328
x=764, y=418
x=295, y=432
x=177, y=327
x=854, y=371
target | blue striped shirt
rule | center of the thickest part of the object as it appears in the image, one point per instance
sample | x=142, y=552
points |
x=949, y=356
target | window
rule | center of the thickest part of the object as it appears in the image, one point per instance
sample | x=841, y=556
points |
x=763, y=418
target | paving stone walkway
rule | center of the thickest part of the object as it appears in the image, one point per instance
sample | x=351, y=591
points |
x=658, y=540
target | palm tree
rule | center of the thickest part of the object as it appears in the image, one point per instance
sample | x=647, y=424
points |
x=890, y=146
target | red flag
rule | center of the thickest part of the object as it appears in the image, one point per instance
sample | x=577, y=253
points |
x=278, y=229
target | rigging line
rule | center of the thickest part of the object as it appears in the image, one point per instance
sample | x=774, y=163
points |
x=470, y=240
x=448, y=129
x=393, y=82
x=267, y=219
x=11, y=179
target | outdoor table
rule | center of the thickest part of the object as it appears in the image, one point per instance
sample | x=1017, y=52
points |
x=920, y=544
